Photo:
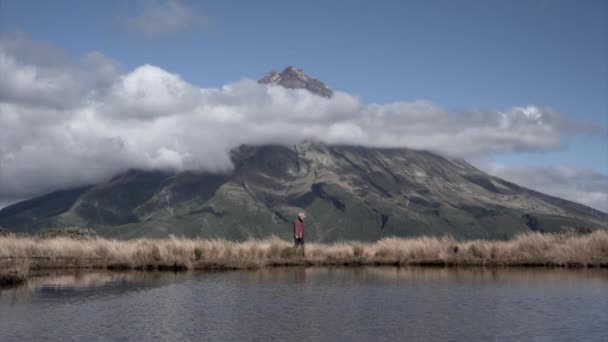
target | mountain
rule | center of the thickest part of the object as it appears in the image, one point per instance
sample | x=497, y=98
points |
x=295, y=78
x=347, y=192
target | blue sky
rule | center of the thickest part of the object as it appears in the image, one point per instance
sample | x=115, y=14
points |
x=460, y=55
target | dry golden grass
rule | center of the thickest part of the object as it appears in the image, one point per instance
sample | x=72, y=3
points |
x=532, y=249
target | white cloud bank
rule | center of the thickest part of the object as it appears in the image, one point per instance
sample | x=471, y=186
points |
x=65, y=123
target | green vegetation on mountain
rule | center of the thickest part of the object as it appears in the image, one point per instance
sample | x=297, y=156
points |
x=347, y=192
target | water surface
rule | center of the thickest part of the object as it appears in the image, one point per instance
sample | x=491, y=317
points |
x=312, y=304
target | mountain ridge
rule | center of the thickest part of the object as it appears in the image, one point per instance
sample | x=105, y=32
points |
x=348, y=193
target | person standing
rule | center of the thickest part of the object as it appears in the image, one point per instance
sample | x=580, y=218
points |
x=298, y=231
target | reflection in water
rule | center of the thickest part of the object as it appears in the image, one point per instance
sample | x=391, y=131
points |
x=82, y=283
x=333, y=304
x=386, y=274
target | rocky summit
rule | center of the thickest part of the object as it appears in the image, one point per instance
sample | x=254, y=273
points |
x=294, y=78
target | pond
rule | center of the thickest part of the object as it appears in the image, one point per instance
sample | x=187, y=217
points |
x=311, y=304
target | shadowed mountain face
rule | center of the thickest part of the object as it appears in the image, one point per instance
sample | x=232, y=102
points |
x=348, y=193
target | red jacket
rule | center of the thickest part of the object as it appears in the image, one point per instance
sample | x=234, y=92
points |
x=298, y=229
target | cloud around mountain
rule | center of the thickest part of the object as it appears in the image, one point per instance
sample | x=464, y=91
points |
x=68, y=122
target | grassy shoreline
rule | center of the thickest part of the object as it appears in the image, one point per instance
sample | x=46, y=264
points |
x=19, y=255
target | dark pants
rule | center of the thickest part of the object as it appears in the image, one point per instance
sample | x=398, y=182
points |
x=298, y=242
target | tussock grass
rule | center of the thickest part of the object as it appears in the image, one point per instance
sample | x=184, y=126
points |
x=19, y=254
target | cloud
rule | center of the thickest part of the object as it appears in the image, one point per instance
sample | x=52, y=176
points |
x=41, y=75
x=70, y=122
x=164, y=18
x=579, y=185
x=27, y=79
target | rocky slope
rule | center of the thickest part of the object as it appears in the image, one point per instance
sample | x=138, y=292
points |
x=348, y=193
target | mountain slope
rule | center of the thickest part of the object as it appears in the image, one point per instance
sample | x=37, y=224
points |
x=348, y=193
